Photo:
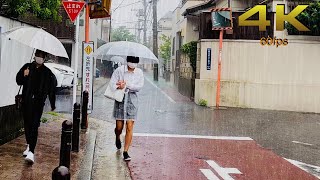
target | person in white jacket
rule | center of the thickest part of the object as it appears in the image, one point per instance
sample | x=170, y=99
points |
x=131, y=77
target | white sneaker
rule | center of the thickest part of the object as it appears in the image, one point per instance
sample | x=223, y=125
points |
x=25, y=153
x=30, y=157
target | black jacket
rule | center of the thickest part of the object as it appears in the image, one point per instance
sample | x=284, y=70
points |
x=46, y=87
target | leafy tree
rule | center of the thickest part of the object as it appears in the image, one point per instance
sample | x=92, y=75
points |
x=165, y=48
x=191, y=50
x=310, y=18
x=122, y=34
x=43, y=9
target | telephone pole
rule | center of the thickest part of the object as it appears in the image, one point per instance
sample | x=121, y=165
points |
x=145, y=6
x=155, y=40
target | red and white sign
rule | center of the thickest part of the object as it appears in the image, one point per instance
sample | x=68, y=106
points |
x=73, y=8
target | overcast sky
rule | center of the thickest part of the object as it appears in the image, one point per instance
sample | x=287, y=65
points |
x=125, y=11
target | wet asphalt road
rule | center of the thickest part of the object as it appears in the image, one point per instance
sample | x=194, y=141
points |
x=274, y=130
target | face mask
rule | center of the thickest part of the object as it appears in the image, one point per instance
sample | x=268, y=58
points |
x=39, y=60
x=132, y=65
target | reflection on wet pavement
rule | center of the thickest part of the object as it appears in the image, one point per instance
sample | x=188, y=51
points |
x=273, y=130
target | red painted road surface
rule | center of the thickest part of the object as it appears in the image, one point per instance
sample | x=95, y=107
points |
x=176, y=158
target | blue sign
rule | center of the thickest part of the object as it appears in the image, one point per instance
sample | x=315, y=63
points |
x=209, y=59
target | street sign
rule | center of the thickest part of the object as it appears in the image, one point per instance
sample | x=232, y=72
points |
x=209, y=59
x=73, y=8
x=221, y=19
x=87, y=71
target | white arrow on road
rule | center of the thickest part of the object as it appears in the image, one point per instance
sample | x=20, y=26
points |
x=223, y=172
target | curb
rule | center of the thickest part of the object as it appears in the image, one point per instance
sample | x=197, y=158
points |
x=87, y=162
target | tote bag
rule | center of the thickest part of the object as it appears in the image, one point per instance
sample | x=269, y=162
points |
x=114, y=95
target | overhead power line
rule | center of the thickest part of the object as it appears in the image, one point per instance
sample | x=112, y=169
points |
x=129, y=4
x=118, y=6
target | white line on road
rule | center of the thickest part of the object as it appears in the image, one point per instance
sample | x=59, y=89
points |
x=307, y=144
x=195, y=136
x=314, y=170
x=209, y=174
x=170, y=99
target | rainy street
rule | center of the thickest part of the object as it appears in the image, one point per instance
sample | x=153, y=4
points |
x=208, y=89
x=174, y=122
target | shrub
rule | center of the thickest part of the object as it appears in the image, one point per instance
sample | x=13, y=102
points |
x=203, y=102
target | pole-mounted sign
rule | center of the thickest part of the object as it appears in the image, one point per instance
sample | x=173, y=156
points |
x=87, y=76
x=221, y=20
x=73, y=8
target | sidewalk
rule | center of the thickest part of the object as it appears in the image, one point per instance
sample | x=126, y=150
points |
x=13, y=166
x=97, y=157
x=108, y=162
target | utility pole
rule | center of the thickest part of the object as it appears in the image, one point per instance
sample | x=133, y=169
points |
x=155, y=40
x=145, y=6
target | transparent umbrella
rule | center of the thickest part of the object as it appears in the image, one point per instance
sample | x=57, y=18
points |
x=118, y=59
x=38, y=39
x=124, y=49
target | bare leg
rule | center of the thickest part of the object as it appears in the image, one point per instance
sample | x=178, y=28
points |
x=129, y=134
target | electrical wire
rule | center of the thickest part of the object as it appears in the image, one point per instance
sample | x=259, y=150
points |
x=118, y=6
x=129, y=4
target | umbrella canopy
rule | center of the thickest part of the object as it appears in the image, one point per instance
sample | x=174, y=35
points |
x=38, y=39
x=124, y=49
x=117, y=59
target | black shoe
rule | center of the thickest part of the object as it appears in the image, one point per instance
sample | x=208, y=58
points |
x=126, y=156
x=118, y=143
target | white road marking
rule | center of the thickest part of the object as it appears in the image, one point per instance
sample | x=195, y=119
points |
x=223, y=172
x=167, y=96
x=209, y=174
x=298, y=142
x=194, y=136
x=314, y=170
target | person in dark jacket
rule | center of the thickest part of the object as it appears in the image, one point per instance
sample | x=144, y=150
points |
x=38, y=82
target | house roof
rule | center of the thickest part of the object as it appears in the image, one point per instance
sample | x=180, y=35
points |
x=168, y=15
x=203, y=6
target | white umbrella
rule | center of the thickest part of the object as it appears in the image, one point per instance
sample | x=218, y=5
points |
x=124, y=49
x=38, y=39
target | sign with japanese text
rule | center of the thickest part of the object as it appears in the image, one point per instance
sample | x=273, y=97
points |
x=209, y=59
x=73, y=8
x=87, y=71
